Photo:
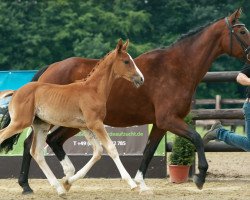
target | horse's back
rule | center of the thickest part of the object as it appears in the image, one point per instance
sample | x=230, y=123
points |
x=68, y=70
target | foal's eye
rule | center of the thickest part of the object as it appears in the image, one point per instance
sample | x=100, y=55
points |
x=126, y=62
x=242, y=32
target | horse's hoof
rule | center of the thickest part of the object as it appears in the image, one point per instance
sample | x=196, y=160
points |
x=67, y=185
x=134, y=188
x=27, y=190
x=199, y=184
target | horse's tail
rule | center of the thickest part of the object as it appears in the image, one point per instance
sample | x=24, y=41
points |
x=8, y=144
x=39, y=73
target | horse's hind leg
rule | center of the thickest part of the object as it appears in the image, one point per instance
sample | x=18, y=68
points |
x=97, y=152
x=23, y=177
x=39, y=140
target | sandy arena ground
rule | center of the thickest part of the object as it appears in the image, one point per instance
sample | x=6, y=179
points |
x=228, y=178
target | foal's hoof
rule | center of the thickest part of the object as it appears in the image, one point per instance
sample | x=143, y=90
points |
x=63, y=195
x=146, y=192
x=198, y=182
x=67, y=185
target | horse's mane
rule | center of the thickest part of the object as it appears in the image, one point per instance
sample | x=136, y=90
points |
x=95, y=67
x=190, y=33
x=195, y=31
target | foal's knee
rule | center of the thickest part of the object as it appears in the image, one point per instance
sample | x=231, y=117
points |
x=112, y=151
x=38, y=156
x=98, y=153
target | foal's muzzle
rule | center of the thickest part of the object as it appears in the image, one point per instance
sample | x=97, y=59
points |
x=138, y=81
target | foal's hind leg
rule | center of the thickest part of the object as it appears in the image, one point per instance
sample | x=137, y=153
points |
x=97, y=152
x=99, y=130
x=39, y=139
x=12, y=129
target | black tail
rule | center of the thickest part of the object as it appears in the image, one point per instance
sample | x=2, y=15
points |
x=8, y=144
x=39, y=73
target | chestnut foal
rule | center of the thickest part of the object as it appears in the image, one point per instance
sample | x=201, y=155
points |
x=79, y=105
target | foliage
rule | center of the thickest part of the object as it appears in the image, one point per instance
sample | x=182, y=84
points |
x=183, y=151
x=37, y=33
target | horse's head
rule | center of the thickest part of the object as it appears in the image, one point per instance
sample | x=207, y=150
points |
x=236, y=37
x=124, y=65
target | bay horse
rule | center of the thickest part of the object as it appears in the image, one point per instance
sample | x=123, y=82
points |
x=80, y=105
x=171, y=77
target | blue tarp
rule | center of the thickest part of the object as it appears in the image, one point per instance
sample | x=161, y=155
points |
x=12, y=80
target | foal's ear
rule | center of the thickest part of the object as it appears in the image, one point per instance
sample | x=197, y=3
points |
x=235, y=16
x=125, y=46
x=119, y=46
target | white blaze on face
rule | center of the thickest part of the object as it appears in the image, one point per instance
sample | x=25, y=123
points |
x=137, y=69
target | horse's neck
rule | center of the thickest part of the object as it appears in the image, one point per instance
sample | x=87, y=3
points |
x=199, y=52
x=102, y=79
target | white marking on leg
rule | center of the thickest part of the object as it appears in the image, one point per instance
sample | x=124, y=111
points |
x=112, y=151
x=39, y=140
x=68, y=167
x=97, y=152
x=54, y=128
x=139, y=179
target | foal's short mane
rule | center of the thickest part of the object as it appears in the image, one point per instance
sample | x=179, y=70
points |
x=97, y=64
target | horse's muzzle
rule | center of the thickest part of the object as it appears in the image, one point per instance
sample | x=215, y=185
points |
x=138, y=81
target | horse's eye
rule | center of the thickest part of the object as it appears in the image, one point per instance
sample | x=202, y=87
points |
x=242, y=32
x=126, y=62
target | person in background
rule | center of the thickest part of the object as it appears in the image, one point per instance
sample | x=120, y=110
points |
x=217, y=132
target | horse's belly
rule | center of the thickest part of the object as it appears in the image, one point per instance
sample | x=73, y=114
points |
x=61, y=118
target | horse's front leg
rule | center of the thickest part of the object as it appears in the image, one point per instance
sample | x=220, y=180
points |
x=98, y=128
x=97, y=152
x=38, y=143
x=179, y=127
x=152, y=144
x=56, y=138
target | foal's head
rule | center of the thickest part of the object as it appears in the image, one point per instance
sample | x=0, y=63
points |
x=236, y=37
x=124, y=66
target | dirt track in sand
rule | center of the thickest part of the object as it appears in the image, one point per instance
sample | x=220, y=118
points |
x=228, y=178
x=104, y=189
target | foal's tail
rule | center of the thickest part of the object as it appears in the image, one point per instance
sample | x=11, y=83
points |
x=8, y=144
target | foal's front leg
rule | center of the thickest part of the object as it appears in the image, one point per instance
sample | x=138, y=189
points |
x=38, y=143
x=103, y=136
x=97, y=152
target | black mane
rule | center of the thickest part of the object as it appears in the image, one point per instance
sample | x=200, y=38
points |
x=194, y=31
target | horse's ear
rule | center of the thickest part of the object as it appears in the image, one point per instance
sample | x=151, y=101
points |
x=119, y=46
x=125, y=46
x=235, y=16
